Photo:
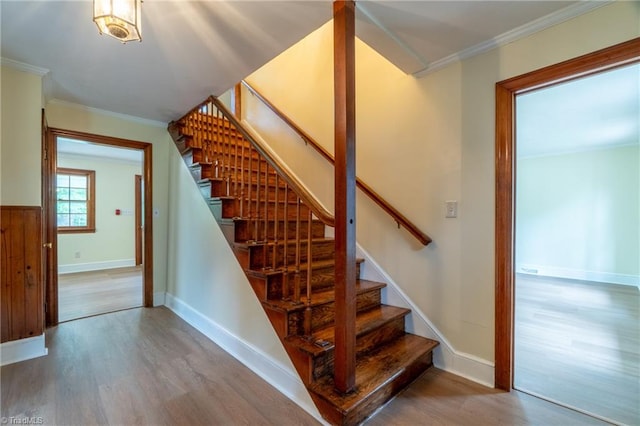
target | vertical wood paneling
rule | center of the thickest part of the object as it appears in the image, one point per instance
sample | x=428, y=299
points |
x=22, y=302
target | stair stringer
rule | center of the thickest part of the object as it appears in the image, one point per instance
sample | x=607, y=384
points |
x=257, y=345
x=445, y=356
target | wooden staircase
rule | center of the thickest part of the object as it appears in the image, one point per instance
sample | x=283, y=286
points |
x=277, y=232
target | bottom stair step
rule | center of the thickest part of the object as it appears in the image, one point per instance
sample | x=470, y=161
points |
x=380, y=375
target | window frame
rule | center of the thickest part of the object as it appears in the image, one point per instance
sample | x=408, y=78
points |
x=91, y=201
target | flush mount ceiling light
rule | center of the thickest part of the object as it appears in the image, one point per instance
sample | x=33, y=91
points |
x=118, y=18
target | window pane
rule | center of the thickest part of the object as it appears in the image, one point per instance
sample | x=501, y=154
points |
x=63, y=220
x=78, y=181
x=62, y=193
x=78, y=219
x=77, y=207
x=62, y=180
x=77, y=194
x=62, y=207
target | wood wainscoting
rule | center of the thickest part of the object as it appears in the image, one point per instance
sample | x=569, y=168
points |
x=21, y=298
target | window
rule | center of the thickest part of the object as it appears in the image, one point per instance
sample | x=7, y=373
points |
x=75, y=205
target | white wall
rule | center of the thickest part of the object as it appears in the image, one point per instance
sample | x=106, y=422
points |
x=20, y=145
x=422, y=142
x=79, y=118
x=577, y=215
x=113, y=243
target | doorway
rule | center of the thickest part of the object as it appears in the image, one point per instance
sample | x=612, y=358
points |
x=611, y=58
x=98, y=268
x=577, y=232
x=77, y=223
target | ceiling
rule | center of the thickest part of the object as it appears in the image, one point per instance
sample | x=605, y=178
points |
x=88, y=149
x=193, y=49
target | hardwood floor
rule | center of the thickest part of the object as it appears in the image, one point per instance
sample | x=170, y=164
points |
x=578, y=343
x=147, y=366
x=85, y=294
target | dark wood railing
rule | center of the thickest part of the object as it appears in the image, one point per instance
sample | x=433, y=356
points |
x=276, y=205
x=398, y=217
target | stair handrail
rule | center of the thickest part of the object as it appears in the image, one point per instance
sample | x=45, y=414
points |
x=320, y=212
x=398, y=217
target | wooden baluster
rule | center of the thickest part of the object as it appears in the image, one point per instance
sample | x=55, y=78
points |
x=266, y=217
x=276, y=221
x=242, y=173
x=249, y=186
x=218, y=150
x=226, y=137
x=257, y=219
x=238, y=208
x=285, y=256
x=296, y=282
x=307, y=311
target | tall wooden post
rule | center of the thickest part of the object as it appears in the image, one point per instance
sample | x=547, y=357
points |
x=345, y=194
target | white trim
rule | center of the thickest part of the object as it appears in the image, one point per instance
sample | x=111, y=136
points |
x=21, y=66
x=127, y=117
x=269, y=369
x=523, y=31
x=22, y=350
x=578, y=274
x=95, y=266
x=445, y=356
x=159, y=298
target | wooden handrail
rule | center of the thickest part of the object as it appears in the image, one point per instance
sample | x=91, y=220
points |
x=398, y=217
x=318, y=209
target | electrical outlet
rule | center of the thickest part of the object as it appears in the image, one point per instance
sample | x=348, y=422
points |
x=451, y=209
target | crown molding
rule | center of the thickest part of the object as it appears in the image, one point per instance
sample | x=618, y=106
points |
x=21, y=66
x=523, y=31
x=132, y=118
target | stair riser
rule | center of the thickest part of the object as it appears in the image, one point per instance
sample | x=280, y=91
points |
x=229, y=208
x=324, y=364
x=324, y=315
x=244, y=229
x=261, y=256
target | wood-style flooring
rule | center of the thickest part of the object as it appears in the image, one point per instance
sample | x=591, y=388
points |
x=148, y=367
x=578, y=343
x=84, y=294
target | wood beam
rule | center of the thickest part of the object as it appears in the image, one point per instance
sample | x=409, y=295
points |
x=345, y=194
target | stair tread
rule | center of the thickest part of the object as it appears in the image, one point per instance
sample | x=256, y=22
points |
x=320, y=297
x=374, y=369
x=365, y=322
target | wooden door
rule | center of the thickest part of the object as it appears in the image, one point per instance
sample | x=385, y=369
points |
x=21, y=296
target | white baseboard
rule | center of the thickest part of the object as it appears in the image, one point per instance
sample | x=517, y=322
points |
x=22, y=350
x=578, y=274
x=445, y=356
x=95, y=266
x=272, y=371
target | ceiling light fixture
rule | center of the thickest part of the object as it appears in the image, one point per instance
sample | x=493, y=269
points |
x=118, y=18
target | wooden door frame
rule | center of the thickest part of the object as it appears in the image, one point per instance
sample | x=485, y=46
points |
x=612, y=57
x=51, y=290
x=138, y=218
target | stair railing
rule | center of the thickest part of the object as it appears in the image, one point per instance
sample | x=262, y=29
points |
x=398, y=217
x=264, y=191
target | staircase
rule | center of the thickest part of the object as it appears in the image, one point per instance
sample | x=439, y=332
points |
x=277, y=232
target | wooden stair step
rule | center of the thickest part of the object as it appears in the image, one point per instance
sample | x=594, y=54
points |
x=366, y=322
x=380, y=375
x=321, y=297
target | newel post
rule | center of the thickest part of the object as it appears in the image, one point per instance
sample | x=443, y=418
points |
x=345, y=194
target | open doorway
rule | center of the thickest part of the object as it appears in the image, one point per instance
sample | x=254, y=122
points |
x=577, y=244
x=618, y=56
x=79, y=175
x=99, y=267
